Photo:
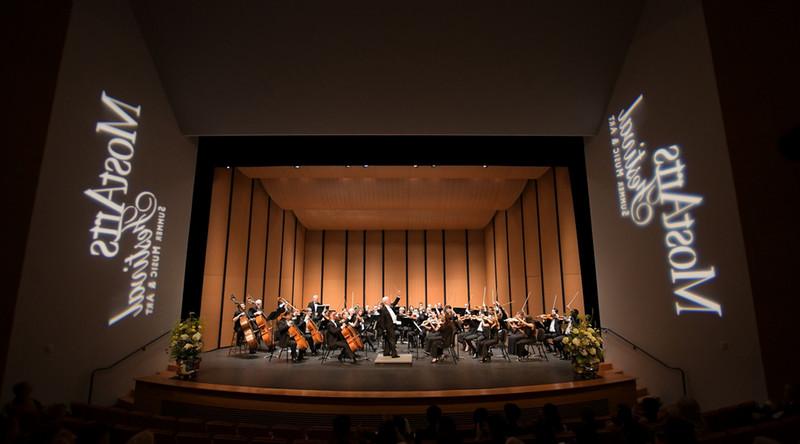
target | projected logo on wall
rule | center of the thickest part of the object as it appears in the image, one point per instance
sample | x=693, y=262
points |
x=135, y=226
x=643, y=200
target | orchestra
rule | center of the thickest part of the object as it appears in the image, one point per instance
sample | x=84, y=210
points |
x=431, y=329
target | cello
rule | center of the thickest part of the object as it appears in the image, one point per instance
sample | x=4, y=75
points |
x=294, y=332
x=247, y=329
x=316, y=335
x=351, y=337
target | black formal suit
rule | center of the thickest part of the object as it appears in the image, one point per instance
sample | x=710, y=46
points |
x=284, y=340
x=444, y=340
x=335, y=339
x=385, y=322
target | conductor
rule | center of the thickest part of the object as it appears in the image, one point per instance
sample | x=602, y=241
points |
x=388, y=321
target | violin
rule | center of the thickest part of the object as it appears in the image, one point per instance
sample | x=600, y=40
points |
x=247, y=329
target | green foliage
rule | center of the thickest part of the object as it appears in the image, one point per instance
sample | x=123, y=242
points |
x=187, y=339
x=585, y=345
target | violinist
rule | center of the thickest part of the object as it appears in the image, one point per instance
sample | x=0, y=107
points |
x=431, y=326
x=470, y=334
x=523, y=333
x=284, y=339
x=552, y=327
x=489, y=331
x=444, y=331
x=335, y=338
x=558, y=343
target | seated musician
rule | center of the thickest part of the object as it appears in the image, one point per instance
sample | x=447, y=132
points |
x=335, y=338
x=517, y=332
x=490, y=336
x=469, y=335
x=237, y=328
x=527, y=335
x=552, y=328
x=445, y=334
x=284, y=339
x=302, y=324
x=431, y=328
x=558, y=341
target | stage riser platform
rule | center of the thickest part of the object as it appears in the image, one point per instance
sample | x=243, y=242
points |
x=162, y=395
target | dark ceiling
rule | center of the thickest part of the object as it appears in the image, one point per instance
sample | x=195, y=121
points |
x=388, y=67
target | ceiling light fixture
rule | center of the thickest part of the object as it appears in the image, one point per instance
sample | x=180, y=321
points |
x=297, y=166
x=433, y=166
x=486, y=166
x=366, y=166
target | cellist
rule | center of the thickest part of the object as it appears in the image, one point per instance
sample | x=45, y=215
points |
x=285, y=340
x=335, y=338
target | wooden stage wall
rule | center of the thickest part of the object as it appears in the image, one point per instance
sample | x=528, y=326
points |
x=257, y=248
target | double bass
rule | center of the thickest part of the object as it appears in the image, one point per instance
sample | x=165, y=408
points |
x=264, y=330
x=247, y=329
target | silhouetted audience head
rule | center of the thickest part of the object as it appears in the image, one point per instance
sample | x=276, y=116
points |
x=448, y=434
x=433, y=415
x=677, y=431
x=95, y=433
x=513, y=413
x=650, y=408
x=586, y=431
x=341, y=428
x=688, y=409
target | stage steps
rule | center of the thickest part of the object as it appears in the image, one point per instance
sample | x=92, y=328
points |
x=607, y=368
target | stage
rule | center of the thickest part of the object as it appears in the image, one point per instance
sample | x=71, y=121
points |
x=250, y=388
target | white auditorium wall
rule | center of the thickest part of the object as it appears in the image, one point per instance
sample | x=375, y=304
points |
x=673, y=245
x=80, y=305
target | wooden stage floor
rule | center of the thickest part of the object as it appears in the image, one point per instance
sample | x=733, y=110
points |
x=248, y=388
x=311, y=374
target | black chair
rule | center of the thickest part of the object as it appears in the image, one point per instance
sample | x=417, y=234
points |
x=538, y=345
x=502, y=339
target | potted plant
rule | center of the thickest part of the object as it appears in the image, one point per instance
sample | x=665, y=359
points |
x=585, y=345
x=185, y=346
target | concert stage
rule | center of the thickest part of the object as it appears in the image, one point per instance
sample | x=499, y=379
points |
x=250, y=388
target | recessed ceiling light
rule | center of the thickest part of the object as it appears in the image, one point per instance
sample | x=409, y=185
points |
x=433, y=166
x=486, y=166
x=416, y=166
x=347, y=166
x=297, y=166
x=227, y=167
x=366, y=166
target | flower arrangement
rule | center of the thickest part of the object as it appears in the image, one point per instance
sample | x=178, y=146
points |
x=185, y=345
x=585, y=345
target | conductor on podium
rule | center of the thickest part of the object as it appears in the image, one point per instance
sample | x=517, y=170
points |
x=388, y=321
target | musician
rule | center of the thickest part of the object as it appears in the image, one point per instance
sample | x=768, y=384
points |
x=516, y=332
x=334, y=337
x=552, y=328
x=388, y=321
x=523, y=334
x=285, y=340
x=302, y=324
x=445, y=333
x=558, y=343
x=313, y=306
x=470, y=335
x=490, y=336
x=237, y=328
